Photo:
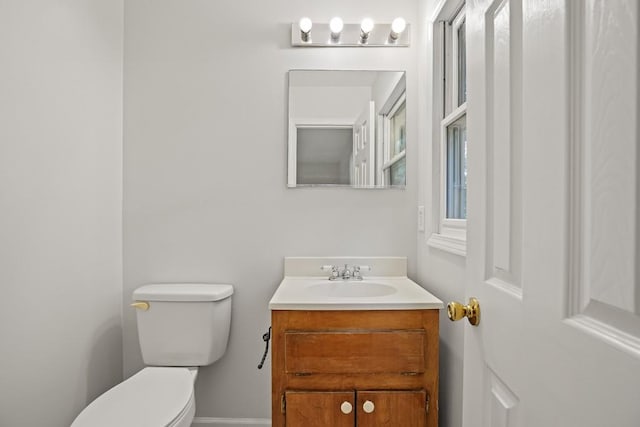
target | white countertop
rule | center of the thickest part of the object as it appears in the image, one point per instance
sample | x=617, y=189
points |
x=317, y=293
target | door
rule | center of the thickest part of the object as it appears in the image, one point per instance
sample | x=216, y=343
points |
x=553, y=227
x=391, y=408
x=372, y=408
x=364, y=167
x=320, y=409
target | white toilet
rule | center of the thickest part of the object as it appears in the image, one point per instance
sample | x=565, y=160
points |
x=180, y=327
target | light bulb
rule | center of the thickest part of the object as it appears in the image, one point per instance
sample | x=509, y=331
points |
x=365, y=28
x=336, y=25
x=305, y=25
x=397, y=27
x=367, y=25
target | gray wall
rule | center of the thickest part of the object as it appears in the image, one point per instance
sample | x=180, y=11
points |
x=440, y=272
x=205, y=167
x=60, y=207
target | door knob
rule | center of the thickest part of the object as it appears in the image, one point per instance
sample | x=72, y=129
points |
x=471, y=311
x=346, y=407
x=368, y=407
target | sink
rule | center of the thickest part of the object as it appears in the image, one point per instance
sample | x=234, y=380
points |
x=306, y=286
x=375, y=293
x=346, y=289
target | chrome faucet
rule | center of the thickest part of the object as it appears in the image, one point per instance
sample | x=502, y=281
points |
x=345, y=273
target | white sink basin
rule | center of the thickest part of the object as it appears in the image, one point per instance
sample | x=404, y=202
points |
x=372, y=293
x=347, y=289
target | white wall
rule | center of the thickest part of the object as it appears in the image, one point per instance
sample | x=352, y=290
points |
x=60, y=207
x=325, y=102
x=205, y=167
x=383, y=89
x=440, y=272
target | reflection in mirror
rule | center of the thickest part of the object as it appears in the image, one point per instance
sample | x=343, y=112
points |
x=347, y=128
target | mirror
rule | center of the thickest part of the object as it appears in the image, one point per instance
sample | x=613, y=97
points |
x=347, y=128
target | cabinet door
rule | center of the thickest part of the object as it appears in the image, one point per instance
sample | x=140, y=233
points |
x=320, y=409
x=391, y=408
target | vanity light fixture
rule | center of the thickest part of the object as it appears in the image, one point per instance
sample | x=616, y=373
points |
x=305, y=25
x=397, y=28
x=365, y=28
x=336, y=25
x=336, y=33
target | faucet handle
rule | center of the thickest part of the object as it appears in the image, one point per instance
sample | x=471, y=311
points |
x=346, y=273
x=334, y=271
x=357, y=269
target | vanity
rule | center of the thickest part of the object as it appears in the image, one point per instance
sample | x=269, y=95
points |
x=353, y=352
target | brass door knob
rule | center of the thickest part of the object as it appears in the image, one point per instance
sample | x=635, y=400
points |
x=471, y=311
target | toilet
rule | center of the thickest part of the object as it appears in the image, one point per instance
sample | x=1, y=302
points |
x=180, y=327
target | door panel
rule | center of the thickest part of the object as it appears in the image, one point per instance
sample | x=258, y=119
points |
x=579, y=128
x=604, y=283
x=391, y=408
x=503, y=21
x=364, y=147
x=319, y=409
x=502, y=406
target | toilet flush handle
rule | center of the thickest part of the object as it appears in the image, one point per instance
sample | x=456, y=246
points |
x=142, y=305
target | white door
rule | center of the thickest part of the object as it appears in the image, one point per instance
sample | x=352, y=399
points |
x=553, y=250
x=364, y=147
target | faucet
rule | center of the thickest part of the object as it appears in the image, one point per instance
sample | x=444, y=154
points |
x=345, y=273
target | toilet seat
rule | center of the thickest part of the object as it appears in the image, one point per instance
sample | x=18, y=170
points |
x=154, y=397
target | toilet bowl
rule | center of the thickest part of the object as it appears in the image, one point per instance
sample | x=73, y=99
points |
x=180, y=327
x=154, y=397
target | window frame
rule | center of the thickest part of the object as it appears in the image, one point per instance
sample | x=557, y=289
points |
x=448, y=234
x=452, y=226
x=386, y=132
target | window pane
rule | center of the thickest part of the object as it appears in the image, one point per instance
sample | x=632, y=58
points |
x=456, y=164
x=462, y=64
x=399, y=172
x=398, y=130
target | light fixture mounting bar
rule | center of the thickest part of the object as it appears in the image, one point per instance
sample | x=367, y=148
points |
x=320, y=36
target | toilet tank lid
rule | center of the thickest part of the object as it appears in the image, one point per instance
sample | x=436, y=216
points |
x=183, y=292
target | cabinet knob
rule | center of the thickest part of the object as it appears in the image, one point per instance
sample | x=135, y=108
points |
x=346, y=407
x=368, y=407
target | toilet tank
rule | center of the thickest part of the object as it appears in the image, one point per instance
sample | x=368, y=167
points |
x=184, y=324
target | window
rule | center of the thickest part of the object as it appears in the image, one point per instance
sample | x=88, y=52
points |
x=395, y=132
x=456, y=169
x=450, y=137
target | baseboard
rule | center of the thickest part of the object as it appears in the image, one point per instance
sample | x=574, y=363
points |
x=230, y=422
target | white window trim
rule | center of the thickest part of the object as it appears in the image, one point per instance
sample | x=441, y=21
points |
x=449, y=235
x=388, y=160
x=455, y=26
x=454, y=228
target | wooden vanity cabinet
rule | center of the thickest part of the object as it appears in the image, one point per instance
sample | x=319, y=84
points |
x=381, y=364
